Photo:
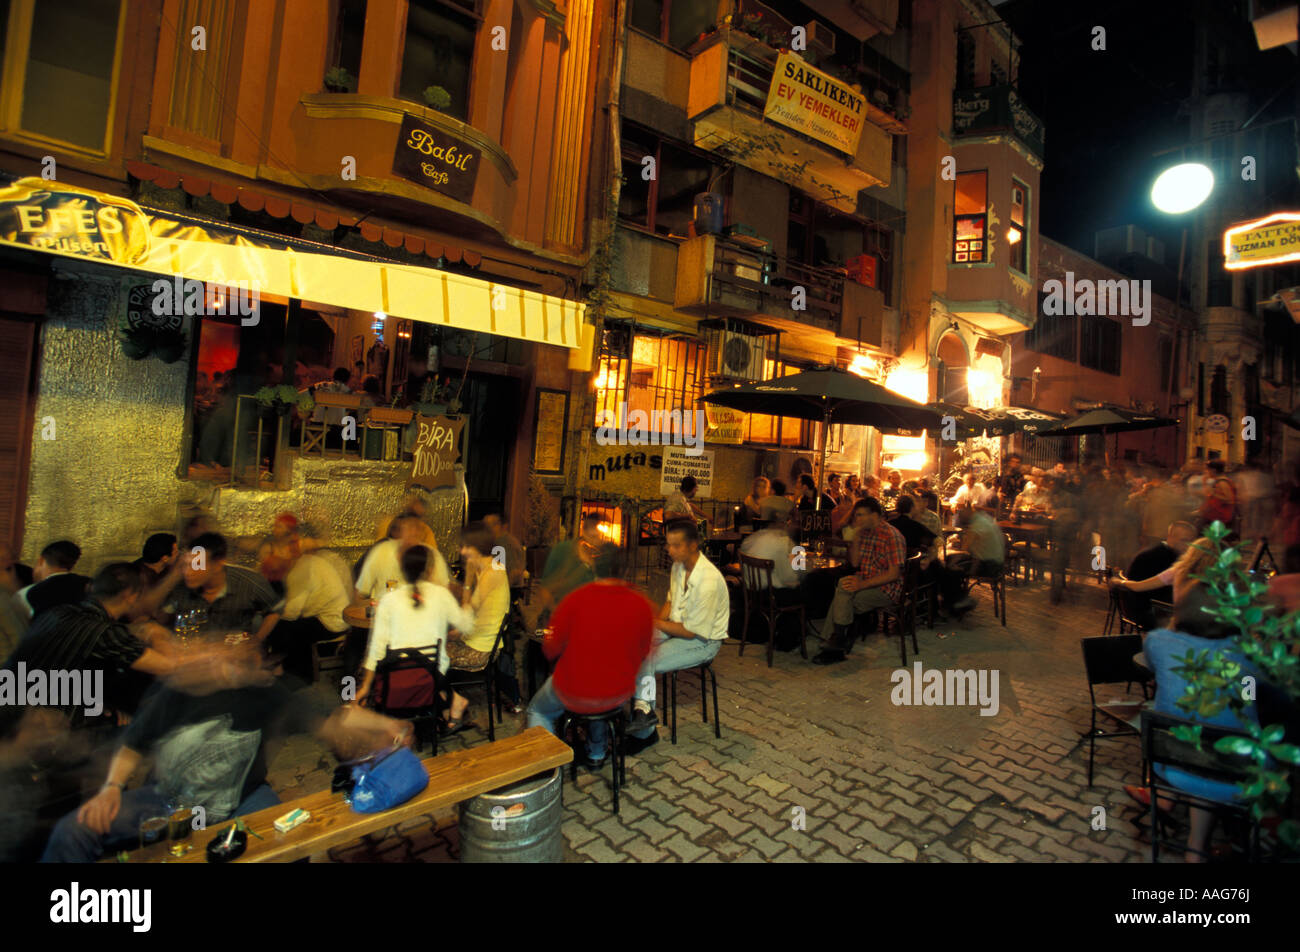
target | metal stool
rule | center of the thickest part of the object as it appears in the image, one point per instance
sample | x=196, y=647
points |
x=617, y=718
x=704, y=698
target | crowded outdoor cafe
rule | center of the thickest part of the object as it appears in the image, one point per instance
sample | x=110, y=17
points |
x=208, y=646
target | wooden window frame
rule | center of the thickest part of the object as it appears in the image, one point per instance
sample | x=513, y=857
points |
x=13, y=79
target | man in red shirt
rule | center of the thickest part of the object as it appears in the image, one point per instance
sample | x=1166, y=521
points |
x=877, y=582
x=601, y=634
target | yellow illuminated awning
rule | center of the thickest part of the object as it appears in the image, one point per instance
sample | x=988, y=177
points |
x=78, y=223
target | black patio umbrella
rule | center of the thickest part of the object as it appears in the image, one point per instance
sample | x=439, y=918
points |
x=996, y=421
x=1107, y=420
x=832, y=396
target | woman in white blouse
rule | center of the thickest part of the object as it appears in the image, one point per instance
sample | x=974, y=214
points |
x=417, y=614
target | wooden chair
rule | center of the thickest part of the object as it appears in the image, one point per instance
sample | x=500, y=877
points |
x=381, y=421
x=903, y=614
x=314, y=433
x=760, y=599
x=327, y=655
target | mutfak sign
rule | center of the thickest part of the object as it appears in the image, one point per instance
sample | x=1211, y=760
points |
x=436, y=159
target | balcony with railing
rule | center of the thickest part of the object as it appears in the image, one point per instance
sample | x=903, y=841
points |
x=772, y=112
x=734, y=277
x=997, y=110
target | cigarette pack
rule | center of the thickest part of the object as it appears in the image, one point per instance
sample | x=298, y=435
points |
x=291, y=819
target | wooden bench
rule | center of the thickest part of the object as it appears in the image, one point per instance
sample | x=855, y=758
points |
x=453, y=778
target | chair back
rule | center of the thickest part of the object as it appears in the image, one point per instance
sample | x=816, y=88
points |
x=408, y=683
x=1109, y=660
x=756, y=574
x=1161, y=746
x=348, y=400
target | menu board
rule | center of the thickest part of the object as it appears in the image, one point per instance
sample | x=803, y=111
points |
x=437, y=447
x=550, y=432
x=678, y=464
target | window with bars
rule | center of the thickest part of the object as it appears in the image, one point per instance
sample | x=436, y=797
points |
x=1052, y=335
x=970, y=217
x=773, y=430
x=648, y=373
x=1099, y=344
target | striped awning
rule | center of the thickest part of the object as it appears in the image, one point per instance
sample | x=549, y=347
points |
x=79, y=223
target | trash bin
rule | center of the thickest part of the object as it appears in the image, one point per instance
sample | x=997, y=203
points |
x=516, y=824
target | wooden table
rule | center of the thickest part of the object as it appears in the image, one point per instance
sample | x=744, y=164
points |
x=355, y=615
x=453, y=778
x=1029, y=531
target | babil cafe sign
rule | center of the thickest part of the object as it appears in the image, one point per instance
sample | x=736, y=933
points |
x=1271, y=240
x=436, y=159
x=814, y=103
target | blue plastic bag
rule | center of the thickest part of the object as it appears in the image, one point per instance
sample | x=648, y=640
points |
x=387, y=779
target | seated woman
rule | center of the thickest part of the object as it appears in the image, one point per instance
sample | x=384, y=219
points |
x=416, y=615
x=809, y=498
x=487, y=594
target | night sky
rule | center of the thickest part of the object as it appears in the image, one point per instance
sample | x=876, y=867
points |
x=1107, y=112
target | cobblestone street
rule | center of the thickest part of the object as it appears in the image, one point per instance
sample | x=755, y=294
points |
x=872, y=780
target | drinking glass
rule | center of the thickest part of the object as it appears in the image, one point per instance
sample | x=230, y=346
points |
x=179, y=828
x=153, y=830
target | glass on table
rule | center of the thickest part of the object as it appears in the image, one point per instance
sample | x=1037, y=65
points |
x=179, y=827
x=153, y=830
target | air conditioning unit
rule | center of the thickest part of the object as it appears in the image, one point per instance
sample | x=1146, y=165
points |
x=821, y=38
x=738, y=356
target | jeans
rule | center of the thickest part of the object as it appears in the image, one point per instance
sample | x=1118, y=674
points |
x=546, y=709
x=73, y=842
x=670, y=654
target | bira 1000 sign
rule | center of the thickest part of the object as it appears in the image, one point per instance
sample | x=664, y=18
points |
x=434, y=455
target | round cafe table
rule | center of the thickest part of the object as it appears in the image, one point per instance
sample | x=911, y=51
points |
x=355, y=615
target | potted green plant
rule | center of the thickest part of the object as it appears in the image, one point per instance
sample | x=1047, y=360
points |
x=306, y=404
x=1270, y=640
x=435, y=97
x=282, y=398
x=339, y=80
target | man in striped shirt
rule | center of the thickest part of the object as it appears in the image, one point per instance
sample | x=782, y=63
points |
x=234, y=598
x=877, y=582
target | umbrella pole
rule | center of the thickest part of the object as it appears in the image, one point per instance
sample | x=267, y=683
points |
x=821, y=457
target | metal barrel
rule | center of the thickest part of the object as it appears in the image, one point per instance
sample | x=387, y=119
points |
x=516, y=824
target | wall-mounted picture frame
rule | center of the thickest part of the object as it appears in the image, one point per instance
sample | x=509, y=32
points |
x=550, y=431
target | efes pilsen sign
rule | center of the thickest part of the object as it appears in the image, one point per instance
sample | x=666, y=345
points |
x=436, y=159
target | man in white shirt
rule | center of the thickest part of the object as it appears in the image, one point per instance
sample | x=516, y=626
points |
x=968, y=493
x=679, y=504
x=314, y=600
x=692, y=624
x=383, y=563
x=776, y=545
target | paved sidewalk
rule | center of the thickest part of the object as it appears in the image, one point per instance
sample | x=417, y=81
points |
x=818, y=763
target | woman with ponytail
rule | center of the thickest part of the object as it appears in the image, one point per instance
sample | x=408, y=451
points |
x=417, y=614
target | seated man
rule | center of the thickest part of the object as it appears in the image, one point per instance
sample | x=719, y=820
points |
x=1149, y=563
x=917, y=536
x=877, y=582
x=775, y=506
x=598, y=662
x=381, y=569
x=54, y=581
x=233, y=598
x=570, y=565
x=776, y=544
x=512, y=551
x=208, y=751
x=159, y=552
x=983, y=551
x=314, y=600
x=91, y=636
x=680, y=503
x=692, y=624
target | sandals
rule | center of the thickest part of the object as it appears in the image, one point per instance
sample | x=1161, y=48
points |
x=454, y=725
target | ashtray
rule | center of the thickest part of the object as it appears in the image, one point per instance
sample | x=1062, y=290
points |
x=220, y=852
